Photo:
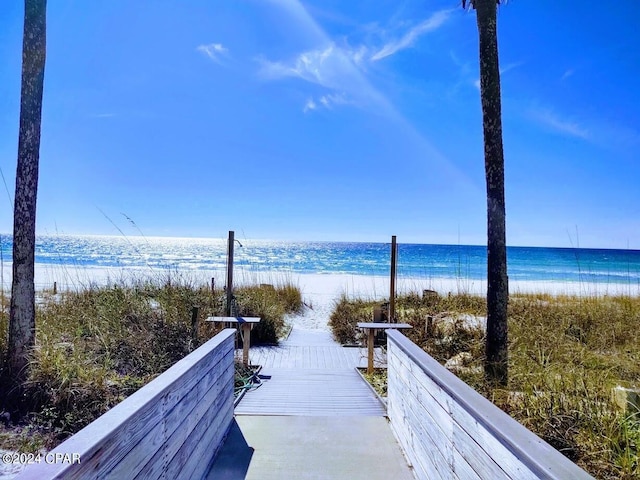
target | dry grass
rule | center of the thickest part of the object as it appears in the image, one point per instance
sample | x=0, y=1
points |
x=566, y=355
x=96, y=346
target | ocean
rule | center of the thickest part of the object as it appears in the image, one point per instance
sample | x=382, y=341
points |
x=531, y=264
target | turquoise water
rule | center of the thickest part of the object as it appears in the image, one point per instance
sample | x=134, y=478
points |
x=421, y=261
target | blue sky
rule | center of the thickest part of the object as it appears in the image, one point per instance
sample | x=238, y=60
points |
x=328, y=120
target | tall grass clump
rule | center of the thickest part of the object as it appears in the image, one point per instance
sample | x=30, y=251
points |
x=410, y=308
x=271, y=304
x=566, y=354
x=96, y=346
x=346, y=315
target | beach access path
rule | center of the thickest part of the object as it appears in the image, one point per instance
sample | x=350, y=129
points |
x=312, y=417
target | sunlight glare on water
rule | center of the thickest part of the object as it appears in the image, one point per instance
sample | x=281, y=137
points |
x=417, y=261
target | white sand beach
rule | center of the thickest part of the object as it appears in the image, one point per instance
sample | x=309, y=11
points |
x=320, y=291
x=317, y=289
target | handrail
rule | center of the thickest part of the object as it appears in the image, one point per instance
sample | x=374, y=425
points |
x=170, y=427
x=521, y=445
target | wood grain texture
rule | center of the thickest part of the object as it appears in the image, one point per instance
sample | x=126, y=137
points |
x=183, y=414
x=312, y=350
x=448, y=430
x=159, y=462
x=310, y=392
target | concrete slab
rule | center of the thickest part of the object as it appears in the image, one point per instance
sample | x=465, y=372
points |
x=234, y=457
x=274, y=447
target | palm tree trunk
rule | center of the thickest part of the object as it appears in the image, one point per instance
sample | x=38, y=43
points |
x=496, y=363
x=22, y=315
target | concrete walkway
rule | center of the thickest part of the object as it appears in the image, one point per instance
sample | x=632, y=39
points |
x=314, y=418
x=278, y=447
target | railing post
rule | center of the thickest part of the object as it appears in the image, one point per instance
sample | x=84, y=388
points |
x=194, y=325
x=392, y=293
x=230, y=242
x=246, y=342
x=370, y=337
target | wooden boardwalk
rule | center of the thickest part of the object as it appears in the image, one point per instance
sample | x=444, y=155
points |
x=310, y=375
x=312, y=393
x=314, y=417
x=310, y=349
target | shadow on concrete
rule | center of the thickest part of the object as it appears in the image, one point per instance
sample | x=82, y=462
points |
x=234, y=458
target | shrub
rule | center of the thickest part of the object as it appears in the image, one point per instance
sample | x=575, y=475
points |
x=96, y=346
x=565, y=356
x=345, y=317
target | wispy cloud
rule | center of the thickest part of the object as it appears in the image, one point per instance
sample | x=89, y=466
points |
x=341, y=71
x=215, y=51
x=609, y=135
x=567, y=74
x=358, y=55
x=510, y=66
x=407, y=40
x=331, y=67
x=341, y=68
x=332, y=99
x=463, y=66
x=319, y=66
x=328, y=102
x=310, y=105
x=558, y=124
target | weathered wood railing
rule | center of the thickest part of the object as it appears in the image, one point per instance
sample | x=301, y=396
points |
x=448, y=430
x=170, y=428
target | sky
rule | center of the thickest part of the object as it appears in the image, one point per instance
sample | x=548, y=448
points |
x=328, y=120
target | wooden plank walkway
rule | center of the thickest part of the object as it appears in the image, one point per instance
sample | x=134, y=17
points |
x=311, y=375
x=315, y=417
x=312, y=393
x=310, y=349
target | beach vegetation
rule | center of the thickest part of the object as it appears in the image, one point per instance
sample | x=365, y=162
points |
x=345, y=317
x=99, y=344
x=378, y=380
x=566, y=355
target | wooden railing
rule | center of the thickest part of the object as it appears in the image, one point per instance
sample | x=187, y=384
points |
x=449, y=431
x=170, y=428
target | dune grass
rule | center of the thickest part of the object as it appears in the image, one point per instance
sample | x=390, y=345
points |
x=566, y=354
x=97, y=345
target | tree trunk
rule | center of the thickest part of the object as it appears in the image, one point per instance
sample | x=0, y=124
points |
x=496, y=363
x=22, y=315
